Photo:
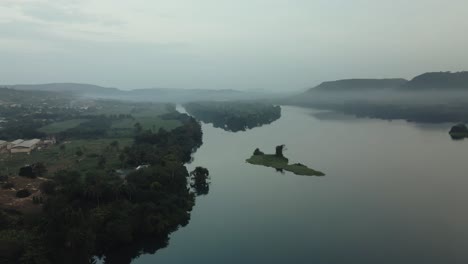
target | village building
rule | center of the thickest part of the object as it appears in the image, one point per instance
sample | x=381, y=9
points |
x=24, y=146
x=49, y=141
x=3, y=144
x=14, y=143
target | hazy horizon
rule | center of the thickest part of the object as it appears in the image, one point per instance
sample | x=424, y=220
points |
x=274, y=45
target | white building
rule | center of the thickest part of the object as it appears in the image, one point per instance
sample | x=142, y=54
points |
x=14, y=143
x=24, y=146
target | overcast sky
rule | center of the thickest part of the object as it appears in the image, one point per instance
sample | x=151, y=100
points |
x=228, y=44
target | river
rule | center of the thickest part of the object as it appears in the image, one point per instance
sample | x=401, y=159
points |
x=394, y=192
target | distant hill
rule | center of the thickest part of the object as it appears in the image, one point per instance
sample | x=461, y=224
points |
x=77, y=88
x=154, y=95
x=349, y=85
x=430, y=97
x=439, y=81
x=12, y=96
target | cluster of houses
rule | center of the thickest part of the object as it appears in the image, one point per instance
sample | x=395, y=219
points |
x=24, y=146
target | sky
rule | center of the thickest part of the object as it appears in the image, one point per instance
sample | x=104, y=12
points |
x=280, y=45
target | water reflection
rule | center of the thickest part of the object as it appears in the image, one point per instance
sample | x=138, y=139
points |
x=126, y=255
x=393, y=194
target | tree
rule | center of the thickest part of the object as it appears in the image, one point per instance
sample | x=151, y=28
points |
x=114, y=145
x=200, y=177
x=47, y=187
x=279, y=151
x=102, y=161
x=23, y=193
x=258, y=152
x=138, y=128
x=122, y=158
x=39, y=169
x=27, y=171
x=79, y=153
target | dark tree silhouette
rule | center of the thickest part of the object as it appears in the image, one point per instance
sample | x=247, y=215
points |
x=200, y=177
x=279, y=151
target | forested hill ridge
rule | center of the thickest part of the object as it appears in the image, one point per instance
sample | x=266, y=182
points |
x=432, y=97
x=146, y=95
x=358, y=85
x=438, y=81
x=11, y=96
x=76, y=88
x=427, y=81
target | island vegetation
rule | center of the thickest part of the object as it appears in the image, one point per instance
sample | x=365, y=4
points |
x=234, y=116
x=459, y=131
x=113, y=181
x=279, y=162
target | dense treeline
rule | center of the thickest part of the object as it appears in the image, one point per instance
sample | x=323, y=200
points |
x=234, y=116
x=178, y=144
x=99, y=213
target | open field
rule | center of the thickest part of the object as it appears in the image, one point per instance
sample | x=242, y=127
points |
x=122, y=108
x=126, y=127
x=8, y=199
x=148, y=122
x=61, y=126
x=67, y=155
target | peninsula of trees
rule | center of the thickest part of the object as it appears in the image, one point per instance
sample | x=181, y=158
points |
x=279, y=162
x=234, y=116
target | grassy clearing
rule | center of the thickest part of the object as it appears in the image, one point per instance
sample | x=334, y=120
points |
x=140, y=109
x=155, y=123
x=282, y=163
x=58, y=127
x=56, y=158
x=125, y=127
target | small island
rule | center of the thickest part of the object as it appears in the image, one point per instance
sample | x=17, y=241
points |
x=459, y=131
x=281, y=163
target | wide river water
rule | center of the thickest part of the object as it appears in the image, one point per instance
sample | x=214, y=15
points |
x=394, y=192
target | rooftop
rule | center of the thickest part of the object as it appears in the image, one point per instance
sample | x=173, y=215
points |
x=18, y=141
x=27, y=143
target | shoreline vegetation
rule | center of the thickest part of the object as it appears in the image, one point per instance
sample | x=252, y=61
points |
x=281, y=163
x=115, y=178
x=459, y=131
x=234, y=116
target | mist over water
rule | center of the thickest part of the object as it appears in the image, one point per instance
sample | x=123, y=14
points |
x=393, y=192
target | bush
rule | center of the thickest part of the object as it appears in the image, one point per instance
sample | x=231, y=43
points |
x=33, y=171
x=47, y=187
x=8, y=185
x=39, y=169
x=37, y=200
x=23, y=193
x=27, y=171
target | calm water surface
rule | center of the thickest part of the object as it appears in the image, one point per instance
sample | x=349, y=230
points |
x=394, y=192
